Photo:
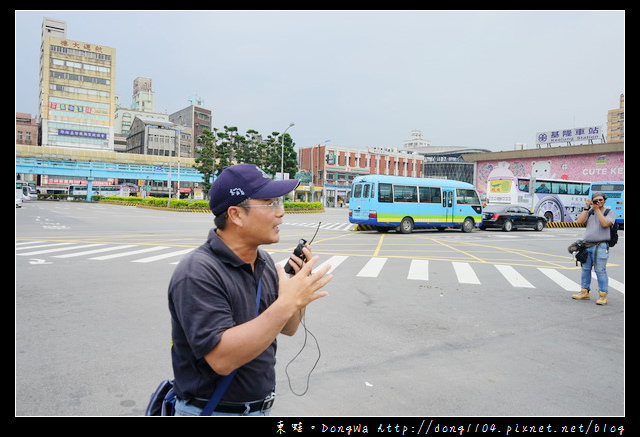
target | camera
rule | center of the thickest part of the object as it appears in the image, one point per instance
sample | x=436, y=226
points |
x=298, y=252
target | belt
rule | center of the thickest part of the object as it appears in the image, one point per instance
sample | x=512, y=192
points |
x=236, y=407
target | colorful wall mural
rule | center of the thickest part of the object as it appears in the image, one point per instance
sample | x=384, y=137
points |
x=588, y=168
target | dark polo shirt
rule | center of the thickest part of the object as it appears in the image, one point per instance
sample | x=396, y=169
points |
x=212, y=290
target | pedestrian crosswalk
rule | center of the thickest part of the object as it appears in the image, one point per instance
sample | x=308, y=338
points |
x=361, y=266
x=333, y=226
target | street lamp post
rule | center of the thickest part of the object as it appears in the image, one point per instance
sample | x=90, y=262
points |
x=282, y=151
x=178, y=134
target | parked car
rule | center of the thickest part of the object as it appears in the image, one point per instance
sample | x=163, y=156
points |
x=508, y=217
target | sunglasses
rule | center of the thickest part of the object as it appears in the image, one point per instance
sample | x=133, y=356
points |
x=598, y=200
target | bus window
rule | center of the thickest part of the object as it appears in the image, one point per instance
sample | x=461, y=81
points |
x=446, y=200
x=429, y=194
x=542, y=187
x=373, y=190
x=523, y=185
x=608, y=187
x=365, y=191
x=467, y=197
x=357, y=191
x=559, y=187
x=405, y=193
x=384, y=193
x=576, y=189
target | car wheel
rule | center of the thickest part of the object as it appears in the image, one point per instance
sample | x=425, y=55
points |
x=406, y=225
x=539, y=225
x=507, y=226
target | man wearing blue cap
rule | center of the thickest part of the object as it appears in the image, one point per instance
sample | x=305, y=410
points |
x=596, y=237
x=214, y=290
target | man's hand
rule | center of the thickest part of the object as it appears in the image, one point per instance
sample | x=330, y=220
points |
x=303, y=287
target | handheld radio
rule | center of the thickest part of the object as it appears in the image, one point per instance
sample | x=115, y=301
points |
x=298, y=251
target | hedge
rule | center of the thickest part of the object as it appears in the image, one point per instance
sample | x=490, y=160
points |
x=200, y=205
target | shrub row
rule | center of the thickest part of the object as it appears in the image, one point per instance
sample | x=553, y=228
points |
x=161, y=202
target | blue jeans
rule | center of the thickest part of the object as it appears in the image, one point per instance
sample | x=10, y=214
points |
x=597, y=257
x=184, y=409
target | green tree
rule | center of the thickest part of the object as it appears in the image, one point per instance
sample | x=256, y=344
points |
x=280, y=155
x=205, y=159
x=218, y=150
x=290, y=157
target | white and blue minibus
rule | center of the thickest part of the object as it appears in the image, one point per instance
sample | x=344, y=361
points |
x=405, y=203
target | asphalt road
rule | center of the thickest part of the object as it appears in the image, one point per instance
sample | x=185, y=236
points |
x=432, y=323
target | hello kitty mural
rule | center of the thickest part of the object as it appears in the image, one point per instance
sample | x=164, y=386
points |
x=585, y=167
x=541, y=170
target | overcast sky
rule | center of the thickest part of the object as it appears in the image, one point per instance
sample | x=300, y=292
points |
x=482, y=79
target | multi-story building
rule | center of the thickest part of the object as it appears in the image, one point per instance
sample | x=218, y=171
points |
x=196, y=117
x=143, y=105
x=77, y=91
x=333, y=168
x=150, y=136
x=615, y=123
x=26, y=129
x=143, y=95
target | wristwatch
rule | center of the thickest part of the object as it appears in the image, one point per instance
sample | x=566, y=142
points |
x=586, y=209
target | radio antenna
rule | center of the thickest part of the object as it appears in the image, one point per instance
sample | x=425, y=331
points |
x=314, y=235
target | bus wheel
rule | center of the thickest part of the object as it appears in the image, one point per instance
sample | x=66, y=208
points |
x=406, y=225
x=467, y=225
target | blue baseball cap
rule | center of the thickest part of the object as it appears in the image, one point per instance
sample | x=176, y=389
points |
x=242, y=181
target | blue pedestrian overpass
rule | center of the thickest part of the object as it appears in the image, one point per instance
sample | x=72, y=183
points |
x=59, y=161
x=91, y=169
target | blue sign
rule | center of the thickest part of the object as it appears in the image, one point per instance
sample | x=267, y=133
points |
x=80, y=133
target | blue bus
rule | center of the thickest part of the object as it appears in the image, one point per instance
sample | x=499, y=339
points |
x=404, y=203
x=614, y=192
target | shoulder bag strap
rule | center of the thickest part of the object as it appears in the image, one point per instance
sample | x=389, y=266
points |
x=224, y=384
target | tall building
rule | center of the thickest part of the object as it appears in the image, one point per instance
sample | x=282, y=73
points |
x=77, y=91
x=143, y=96
x=142, y=105
x=615, y=123
x=195, y=117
